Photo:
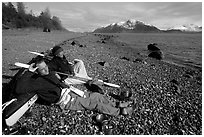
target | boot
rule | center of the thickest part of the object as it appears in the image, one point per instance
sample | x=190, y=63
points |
x=126, y=111
x=124, y=104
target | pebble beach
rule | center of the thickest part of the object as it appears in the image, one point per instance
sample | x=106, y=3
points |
x=167, y=98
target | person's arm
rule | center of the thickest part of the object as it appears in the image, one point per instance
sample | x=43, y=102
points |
x=48, y=96
x=71, y=70
x=58, y=76
x=32, y=67
x=23, y=83
x=52, y=65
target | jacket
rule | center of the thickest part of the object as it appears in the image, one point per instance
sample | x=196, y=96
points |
x=47, y=87
x=61, y=65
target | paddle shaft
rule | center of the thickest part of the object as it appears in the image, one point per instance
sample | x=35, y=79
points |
x=39, y=54
x=86, y=79
x=80, y=78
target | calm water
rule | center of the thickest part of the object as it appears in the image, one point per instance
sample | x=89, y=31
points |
x=181, y=49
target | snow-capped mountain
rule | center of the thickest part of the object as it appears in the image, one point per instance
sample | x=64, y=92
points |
x=131, y=26
x=187, y=28
x=135, y=26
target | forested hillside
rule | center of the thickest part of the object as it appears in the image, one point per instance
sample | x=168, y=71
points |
x=18, y=18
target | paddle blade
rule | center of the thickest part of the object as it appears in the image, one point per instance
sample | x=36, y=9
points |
x=111, y=85
x=21, y=65
x=36, y=53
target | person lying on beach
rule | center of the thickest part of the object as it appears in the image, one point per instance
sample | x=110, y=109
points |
x=49, y=88
x=59, y=63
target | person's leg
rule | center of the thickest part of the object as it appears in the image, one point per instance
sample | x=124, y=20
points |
x=95, y=101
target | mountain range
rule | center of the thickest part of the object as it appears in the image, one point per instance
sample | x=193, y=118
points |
x=188, y=28
x=135, y=26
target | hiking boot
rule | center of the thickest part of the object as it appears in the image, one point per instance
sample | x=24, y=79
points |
x=124, y=104
x=127, y=111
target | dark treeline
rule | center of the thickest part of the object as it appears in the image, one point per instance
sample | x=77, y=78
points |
x=17, y=18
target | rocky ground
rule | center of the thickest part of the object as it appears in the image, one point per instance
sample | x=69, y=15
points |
x=167, y=98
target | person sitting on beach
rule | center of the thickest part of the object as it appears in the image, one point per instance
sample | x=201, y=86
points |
x=59, y=63
x=40, y=80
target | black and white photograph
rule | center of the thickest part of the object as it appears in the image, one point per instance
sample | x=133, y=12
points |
x=101, y=68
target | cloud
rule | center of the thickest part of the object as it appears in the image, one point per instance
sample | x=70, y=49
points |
x=89, y=15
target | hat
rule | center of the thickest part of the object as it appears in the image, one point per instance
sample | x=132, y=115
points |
x=56, y=50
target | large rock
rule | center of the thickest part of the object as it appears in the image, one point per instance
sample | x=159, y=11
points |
x=153, y=47
x=103, y=63
x=156, y=54
x=45, y=29
x=73, y=43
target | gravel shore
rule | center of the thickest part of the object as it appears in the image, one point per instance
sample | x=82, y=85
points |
x=167, y=98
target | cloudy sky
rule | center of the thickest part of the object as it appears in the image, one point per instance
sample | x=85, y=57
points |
x=87, y=16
